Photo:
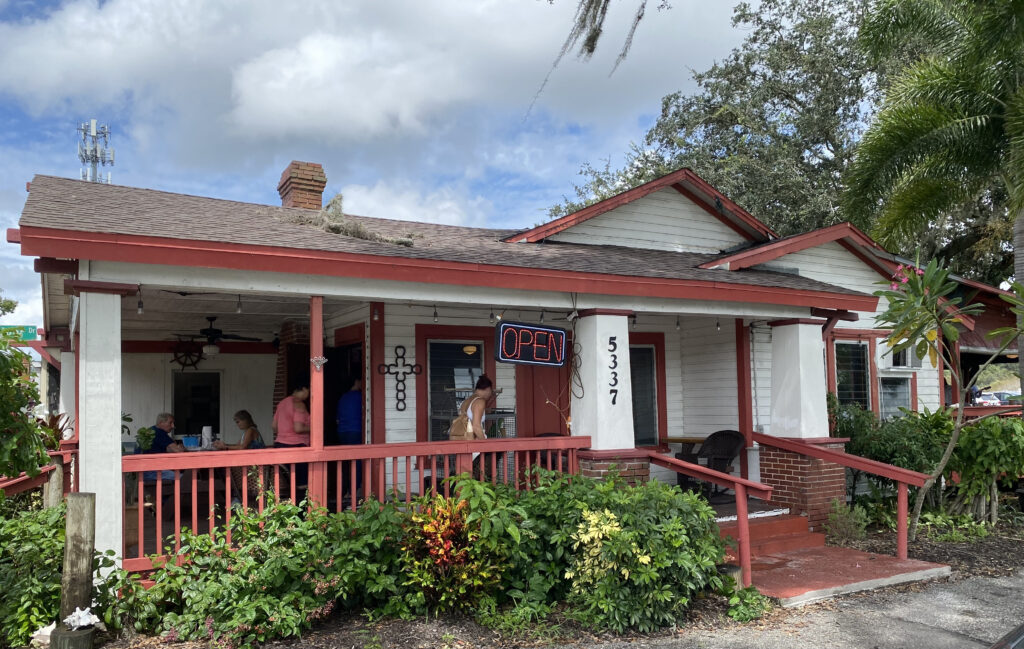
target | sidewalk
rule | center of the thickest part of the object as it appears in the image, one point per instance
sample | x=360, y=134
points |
x=971, y=613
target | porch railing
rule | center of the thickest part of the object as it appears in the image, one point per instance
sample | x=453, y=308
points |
x=901, y=476
x=64, y=460
x=742, y=488
x=164, y=492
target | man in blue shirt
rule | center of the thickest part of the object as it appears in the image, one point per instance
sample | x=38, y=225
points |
x=163, y=442
x=349, y=420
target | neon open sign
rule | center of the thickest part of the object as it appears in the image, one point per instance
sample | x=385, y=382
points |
x=519, y=342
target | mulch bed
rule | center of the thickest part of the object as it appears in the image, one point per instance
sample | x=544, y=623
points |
x=997, y=555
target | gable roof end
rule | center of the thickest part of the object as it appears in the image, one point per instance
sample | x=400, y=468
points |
x=788, y=245
x=684, y=181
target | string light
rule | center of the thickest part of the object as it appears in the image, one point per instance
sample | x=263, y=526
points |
x=435, y=313
x=542, y=316
x=238, y=306
x=633, y=318
x=490, y=318
x=140, y=310
x=677, y=323
x=718, y=326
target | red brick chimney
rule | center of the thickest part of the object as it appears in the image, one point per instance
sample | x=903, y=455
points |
x=302, y=185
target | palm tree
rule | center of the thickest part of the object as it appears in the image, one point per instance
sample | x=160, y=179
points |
x=951, y=128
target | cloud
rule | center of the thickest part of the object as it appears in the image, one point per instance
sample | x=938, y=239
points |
x=446, y=205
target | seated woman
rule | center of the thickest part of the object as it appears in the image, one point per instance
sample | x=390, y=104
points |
x=251, y=439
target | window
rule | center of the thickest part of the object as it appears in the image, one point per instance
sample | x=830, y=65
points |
x=852, y=374
x=905, y=358
x=895, y=393
x=453, y=368
x=645, y=395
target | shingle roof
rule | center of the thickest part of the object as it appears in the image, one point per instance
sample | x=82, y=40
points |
x=76, y=205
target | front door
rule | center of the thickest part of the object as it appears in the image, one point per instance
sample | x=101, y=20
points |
x=542, y=400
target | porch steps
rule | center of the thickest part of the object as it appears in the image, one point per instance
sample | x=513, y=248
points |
x=774, y=534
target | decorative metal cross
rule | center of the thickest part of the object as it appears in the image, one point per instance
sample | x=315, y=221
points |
x=400, y=369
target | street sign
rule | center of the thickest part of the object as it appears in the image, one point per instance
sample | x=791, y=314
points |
x=20, y=333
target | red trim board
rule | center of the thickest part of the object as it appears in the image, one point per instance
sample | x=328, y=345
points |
x=378, y=432
x=657, y=340
x=181, y=252
x=170, y=346
x=775, y=249
x=745, y=403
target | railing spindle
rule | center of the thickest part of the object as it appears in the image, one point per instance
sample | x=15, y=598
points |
x=177, y=510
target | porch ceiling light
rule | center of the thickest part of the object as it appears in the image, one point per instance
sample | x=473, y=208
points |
x=490, y=318
x=469, y=350
x=210, y=350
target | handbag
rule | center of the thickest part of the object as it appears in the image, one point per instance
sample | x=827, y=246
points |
x=461, y=428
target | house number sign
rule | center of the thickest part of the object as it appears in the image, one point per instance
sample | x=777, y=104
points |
x=613, y=382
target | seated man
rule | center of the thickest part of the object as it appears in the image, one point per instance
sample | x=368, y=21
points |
x=163, y=442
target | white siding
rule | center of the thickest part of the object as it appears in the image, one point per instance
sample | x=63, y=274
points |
x=400, y=329
x=664, y=220
x=247, y=383
x=833, y=264
x=710, y=398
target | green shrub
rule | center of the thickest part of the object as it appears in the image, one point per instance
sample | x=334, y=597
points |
x=988, y=452
x=640, y=554
x=846, y=523
x=950, y=528
x=31, y=557
x=747, y=604
x=285, y=569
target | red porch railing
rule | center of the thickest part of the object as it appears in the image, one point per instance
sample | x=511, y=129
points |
x=973, y=412
x=901, y=476
x=166, y=491
x=65, y=459
x=742, y=487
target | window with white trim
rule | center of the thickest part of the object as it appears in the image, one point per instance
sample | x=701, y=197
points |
x=853, y=374
x=895, y=394
x=906, y=358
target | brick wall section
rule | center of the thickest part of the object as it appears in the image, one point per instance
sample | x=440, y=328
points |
x=295, y=333
x=302, y=185
x=634, y=470
x=805, y=485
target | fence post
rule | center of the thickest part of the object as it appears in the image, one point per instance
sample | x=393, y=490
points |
x=79, y=546
x=53, y=490
x=901, y=521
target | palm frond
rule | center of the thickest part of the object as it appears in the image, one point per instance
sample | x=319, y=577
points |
x=895, y=22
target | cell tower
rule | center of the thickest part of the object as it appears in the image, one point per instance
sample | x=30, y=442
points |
x=93, y=151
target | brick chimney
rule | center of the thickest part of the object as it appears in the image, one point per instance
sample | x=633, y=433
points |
x=302, y=185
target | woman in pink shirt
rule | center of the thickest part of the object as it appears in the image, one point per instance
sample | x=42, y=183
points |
x=291, y=425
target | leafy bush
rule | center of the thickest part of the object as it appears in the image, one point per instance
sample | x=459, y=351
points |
x=747, y=604
x=950, y=528
x=31, y=558
x=846, y=523
x=989, y=451
x=285, y=569
x=640, y=554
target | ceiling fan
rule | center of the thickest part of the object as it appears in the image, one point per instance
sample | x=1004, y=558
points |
x=213, y=335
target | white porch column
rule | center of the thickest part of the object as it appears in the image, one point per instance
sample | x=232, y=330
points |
x=100, y=414
x=798, y=382
x=67, y=387
x=605, y=410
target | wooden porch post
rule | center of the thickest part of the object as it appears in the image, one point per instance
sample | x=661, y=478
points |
x=378, y=434
x=317, y=470
x=746, y=407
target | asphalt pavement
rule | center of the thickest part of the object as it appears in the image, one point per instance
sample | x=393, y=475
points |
x=970, y=613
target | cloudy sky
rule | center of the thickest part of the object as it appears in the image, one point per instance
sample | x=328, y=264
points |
x=417, y=110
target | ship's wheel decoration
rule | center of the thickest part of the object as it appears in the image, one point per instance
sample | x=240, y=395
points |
x=187, y=354
x=400, y=369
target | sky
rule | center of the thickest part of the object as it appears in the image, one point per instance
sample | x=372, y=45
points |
x=416, y=110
